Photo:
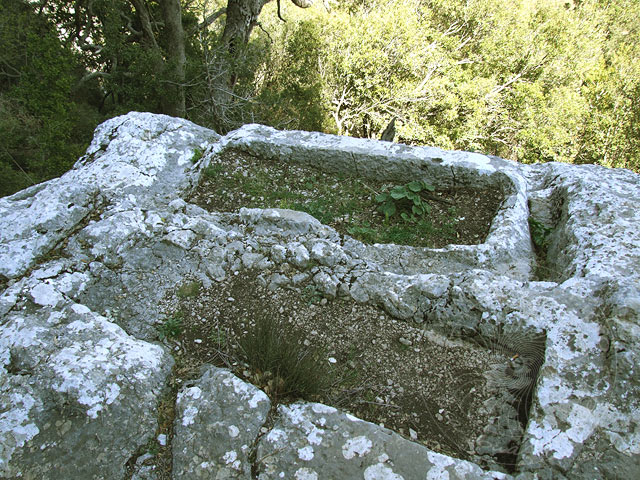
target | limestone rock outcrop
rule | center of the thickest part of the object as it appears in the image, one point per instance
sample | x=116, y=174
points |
x=86, y=259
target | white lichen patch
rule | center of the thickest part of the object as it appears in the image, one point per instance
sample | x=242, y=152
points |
x=357, y=446
x=46, y=295
x=553, y=390
x=440, y=465
x=78, y=326
x=276, y=436
x=231, y=458
x=189, y=415
x=380, y=471
x=233, y=431
x=192, y=392
x=545, y=438
x=20, y=333
x=582, y=421
x=112, y=390
x=321, y=408
x=314, y=437
x=257, y=397
x=245, y=391
x=305, y=473
x=297, y=414
x=16, y=426
x=305, y=453
x=628, y=444
x=480, y=163
x=80, y=309
x=72, y=284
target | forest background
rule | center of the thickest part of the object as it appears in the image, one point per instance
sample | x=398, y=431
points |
x=527, y=80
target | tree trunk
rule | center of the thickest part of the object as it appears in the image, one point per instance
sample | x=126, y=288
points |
x=170, y=64
x=242, y=16
x=173, y=100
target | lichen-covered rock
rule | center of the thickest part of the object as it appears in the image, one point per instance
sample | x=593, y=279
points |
x=87, y=261
x=78, y=395
x=35, y=220
x=140, y=157
x=218, y=420
x=315, y=441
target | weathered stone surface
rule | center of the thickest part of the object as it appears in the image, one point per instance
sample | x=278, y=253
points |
x=139, y=157
x=86, y=259
x=78, y=395
x=218, y=420
x=314, y=441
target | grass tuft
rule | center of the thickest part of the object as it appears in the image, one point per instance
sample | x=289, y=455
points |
x=189, y=289
x=197, y=155
x=281, y=364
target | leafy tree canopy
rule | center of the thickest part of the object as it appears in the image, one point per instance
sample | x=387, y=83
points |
x=529, y=80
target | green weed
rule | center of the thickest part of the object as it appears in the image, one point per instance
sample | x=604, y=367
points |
x=172, y=326
x=539, y=235
x=213, y=171
x=364, y=232
x=219, y=338
x=197, y=155
x=312, y=294
x=405, y=200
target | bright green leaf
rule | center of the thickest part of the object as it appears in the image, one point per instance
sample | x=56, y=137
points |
x=388, y=209
x=415, y=186
x=398, y=192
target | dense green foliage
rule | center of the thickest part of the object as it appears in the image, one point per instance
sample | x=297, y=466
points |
x=529, y=80
x=533, y=81
x=46, y=121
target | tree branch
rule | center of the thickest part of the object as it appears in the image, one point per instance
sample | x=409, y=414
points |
x=134, y=32
x=17, y=73
x=259, y=25
x=279, y=15
x=92, y=75
x=208, y=20
x=145, y=20
x=515, y=78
